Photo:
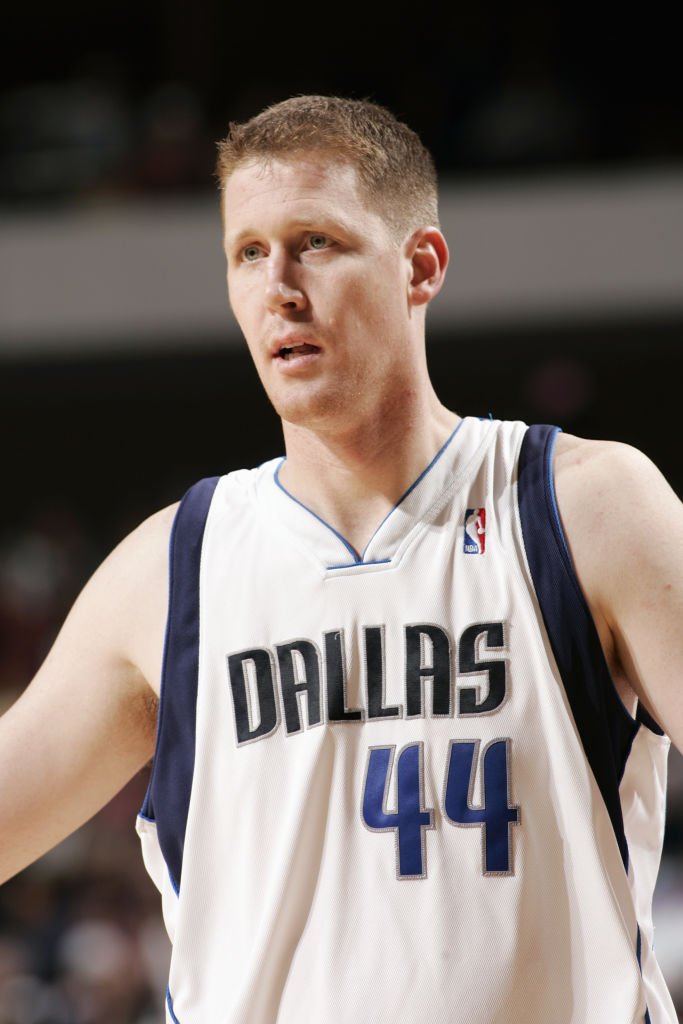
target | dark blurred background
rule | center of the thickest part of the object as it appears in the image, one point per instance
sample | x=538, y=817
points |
x=557, y=135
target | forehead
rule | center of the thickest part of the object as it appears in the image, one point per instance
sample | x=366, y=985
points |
x=298, y=189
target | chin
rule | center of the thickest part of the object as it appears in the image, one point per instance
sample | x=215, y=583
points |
x=300, y=414
x=313, y=410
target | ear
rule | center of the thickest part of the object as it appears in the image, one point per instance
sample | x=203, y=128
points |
x=427, y=252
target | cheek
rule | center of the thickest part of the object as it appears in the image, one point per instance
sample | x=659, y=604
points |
x=244, y=309
x=381, y=313
x=361, y=300
x=235, y=298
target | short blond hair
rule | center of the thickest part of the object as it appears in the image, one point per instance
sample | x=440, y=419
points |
x=395, y=169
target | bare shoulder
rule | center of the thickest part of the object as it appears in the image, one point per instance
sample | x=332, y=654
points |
x=608, y=489
x=125, y=601
x=623, y=523
x=581, y=462
x=144, y=551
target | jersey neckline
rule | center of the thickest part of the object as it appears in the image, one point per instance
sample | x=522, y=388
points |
x=331, y=550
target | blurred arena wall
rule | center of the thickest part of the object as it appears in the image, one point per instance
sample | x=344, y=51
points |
x=124, y=275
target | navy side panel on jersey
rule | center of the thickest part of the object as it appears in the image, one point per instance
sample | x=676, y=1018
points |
x=606, y=729
x=168, y=795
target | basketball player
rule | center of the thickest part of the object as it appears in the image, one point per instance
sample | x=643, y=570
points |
x=417, y=680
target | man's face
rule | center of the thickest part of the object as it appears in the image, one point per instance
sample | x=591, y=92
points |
x=319, y=288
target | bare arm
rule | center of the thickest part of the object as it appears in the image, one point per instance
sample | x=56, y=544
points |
x=86, y=723
x=624, y=528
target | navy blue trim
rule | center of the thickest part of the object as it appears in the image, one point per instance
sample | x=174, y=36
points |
x=359, y=559
x=358, y=565
x=550, y=481
x=606, y=729
x=639, y=949
x=169, y=1004
x=168, y=795
x=646, y=719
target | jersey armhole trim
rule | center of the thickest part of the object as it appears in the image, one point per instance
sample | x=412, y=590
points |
x=168, y=793
x=605, y=727
x=643, y=717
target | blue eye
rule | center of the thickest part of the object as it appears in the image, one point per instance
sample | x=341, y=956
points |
x=318, y=241
x=251, y=253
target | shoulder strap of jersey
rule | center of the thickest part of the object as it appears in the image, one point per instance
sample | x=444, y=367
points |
x=605, y=727
x=168, y=795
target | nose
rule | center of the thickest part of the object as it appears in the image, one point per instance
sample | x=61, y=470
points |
x=282, y=293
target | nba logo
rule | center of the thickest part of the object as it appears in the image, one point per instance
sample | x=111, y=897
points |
x=475, y=531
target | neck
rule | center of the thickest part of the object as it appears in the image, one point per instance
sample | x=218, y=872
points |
x=353, y=477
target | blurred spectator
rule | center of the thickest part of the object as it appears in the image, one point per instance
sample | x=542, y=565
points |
x=174, y=148
x=62, y=139
x=82, y=940
x=43, y=564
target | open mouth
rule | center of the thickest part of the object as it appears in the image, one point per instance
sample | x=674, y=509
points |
x=296, y=350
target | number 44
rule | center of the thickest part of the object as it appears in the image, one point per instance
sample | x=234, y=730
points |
x=411, y=819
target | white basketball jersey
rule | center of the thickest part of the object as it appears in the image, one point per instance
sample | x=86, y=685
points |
x=400, y=787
